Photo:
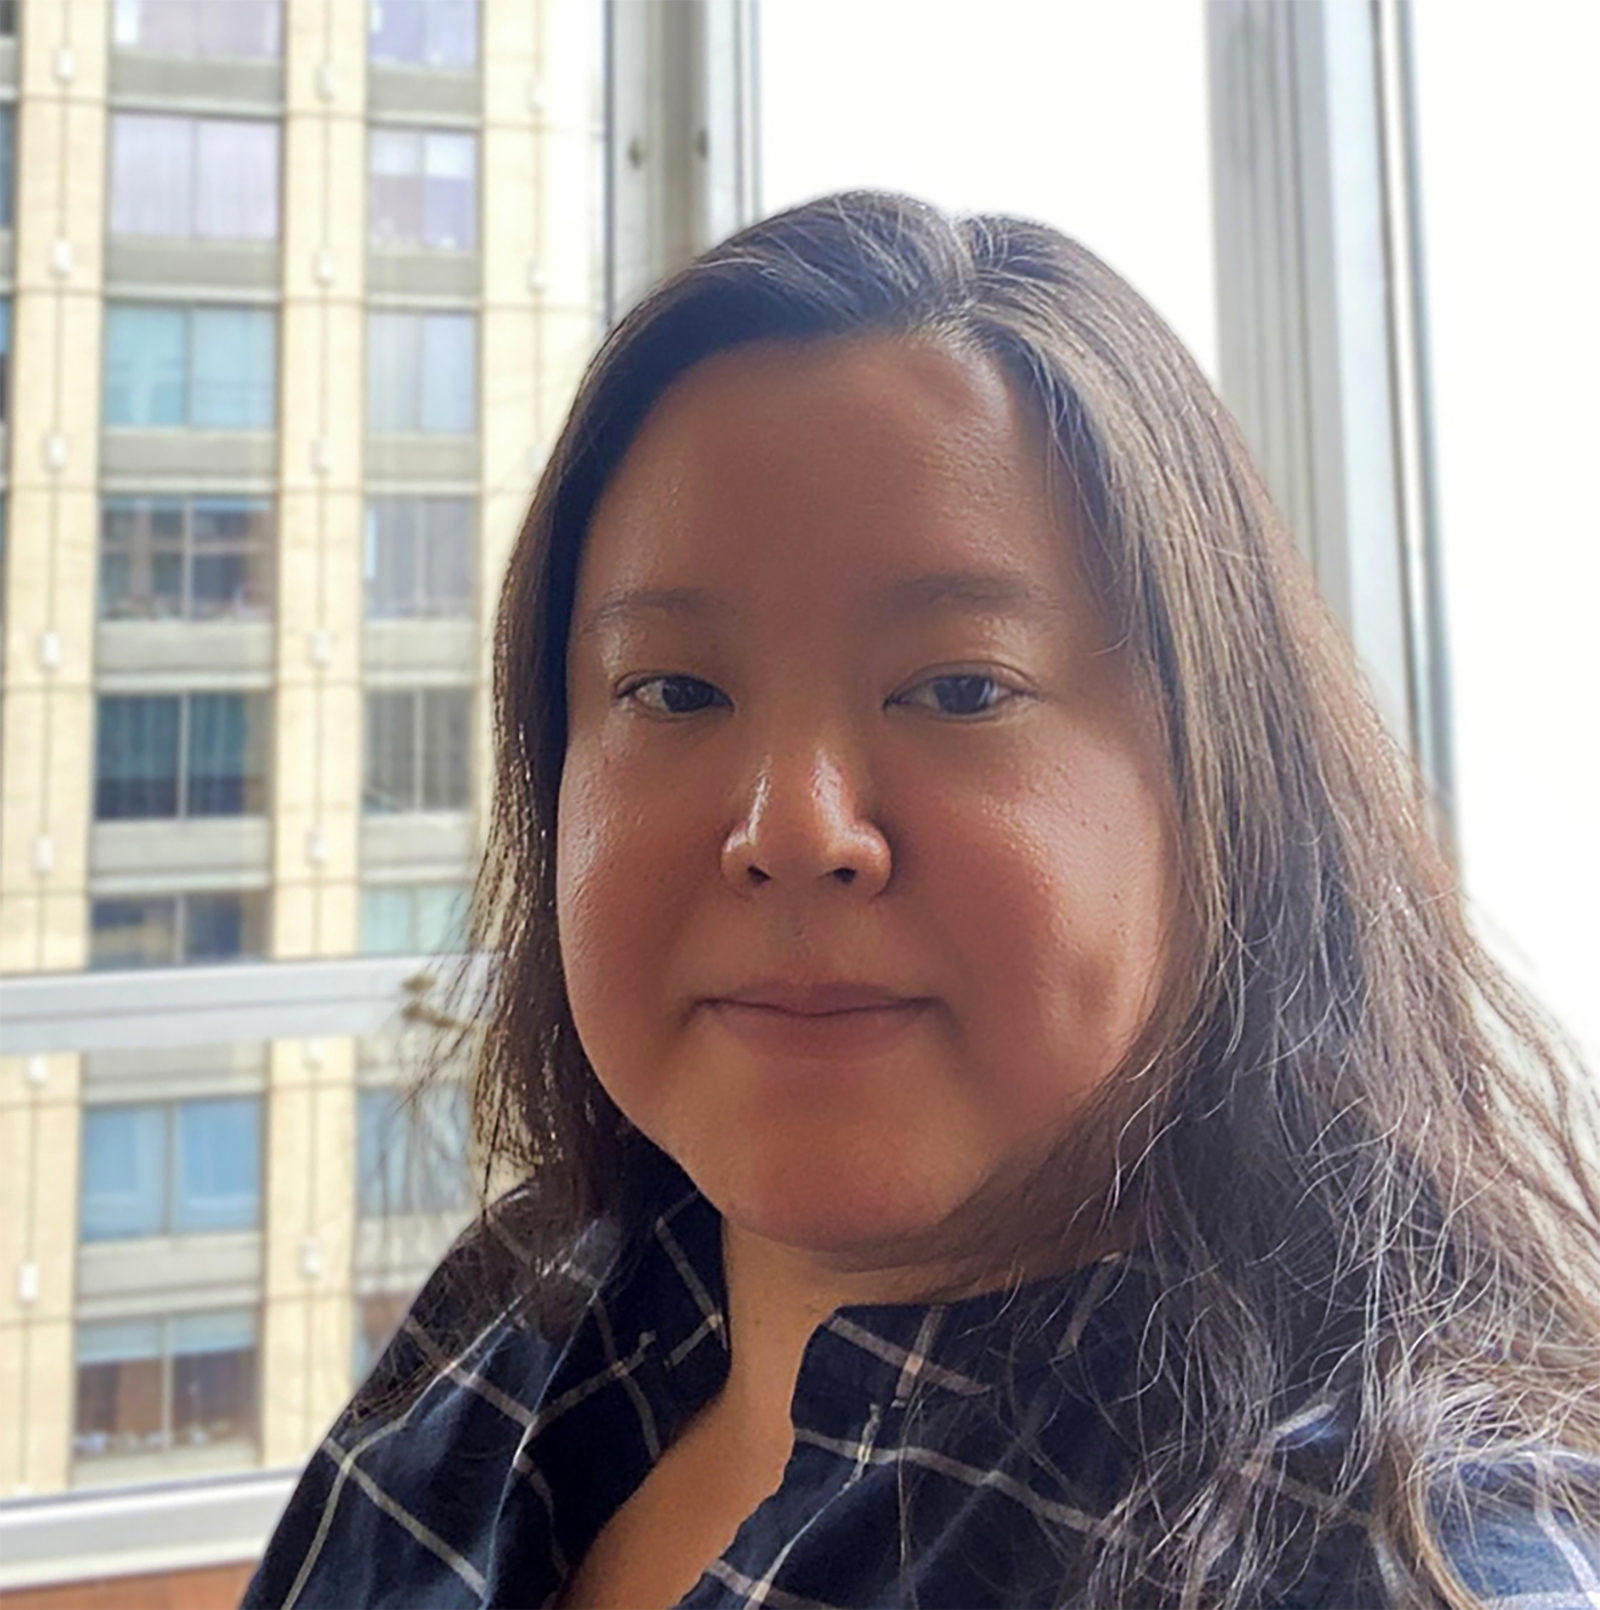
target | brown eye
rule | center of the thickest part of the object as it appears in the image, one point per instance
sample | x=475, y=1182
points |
x=675, y=695
x=965, y=693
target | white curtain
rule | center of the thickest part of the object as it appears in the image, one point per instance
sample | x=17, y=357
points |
x=152, y=175
x=237, y=194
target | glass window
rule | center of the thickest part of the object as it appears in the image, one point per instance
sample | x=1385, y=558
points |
x=421, y=372
x=424, y=33
x=147, y=366
x=423, y=189
x=413, y=919
x=214, y=368
x=412, y=1154
x=171, y=1168
x=168, y=558
x=242, y=29
x=149, y=1385
x=124, y=1172
x=5, y=359
x=177, y=930
x=419, y=558
x=203, y=178
x=378, y=1317
x=179, y=754
x=418, y=750
x=217, y=1175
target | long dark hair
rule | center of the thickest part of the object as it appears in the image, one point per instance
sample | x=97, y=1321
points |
x=1350, y=1148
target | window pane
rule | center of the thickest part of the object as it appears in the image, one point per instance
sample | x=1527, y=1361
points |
x=225, y=772
x=394, y=371
x=141, y=559
x=449, y=372
x=235, y=368
x=442, y=1182
x=213, y=1378
x=441, y=916
x=164, y=27
x=391, y=753
x=388, y=926
x=243, y=29
x=124, y=1172
x=147, y=366
x=224, y=927
x=236, y=191
x=452, y=33
x=152, y=175
x=134, y=933
x=449, y=541
x=232, y=571
x=395, y=191
x=382, y=1153
x=217, y=1184
x=398, y=30
x=136, y=772
x=446, y=749
x=120, y=1374
x=450, y=192
x=393, y=531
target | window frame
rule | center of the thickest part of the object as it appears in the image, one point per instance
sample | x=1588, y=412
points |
x=256, y=708
x=190, y=311
x=193, y=123
x=182, y=930
x=260, y=552
x=417, y=792
x=423, y=134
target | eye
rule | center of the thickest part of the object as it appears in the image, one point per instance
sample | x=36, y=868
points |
x=960, y=693
x=673, y=695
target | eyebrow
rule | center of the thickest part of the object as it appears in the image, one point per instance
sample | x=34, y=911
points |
x=977, y=592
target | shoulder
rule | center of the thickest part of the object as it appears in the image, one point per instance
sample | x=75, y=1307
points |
x=409, y=1480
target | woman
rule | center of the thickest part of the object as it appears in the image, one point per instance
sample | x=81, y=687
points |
x=1007, y=1106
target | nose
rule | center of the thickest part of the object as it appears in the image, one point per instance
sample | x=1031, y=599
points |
x=803, y=828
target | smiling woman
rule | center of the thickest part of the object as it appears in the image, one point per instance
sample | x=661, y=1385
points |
x=1007, y=1109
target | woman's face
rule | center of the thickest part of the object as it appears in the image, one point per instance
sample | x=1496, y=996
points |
x=863, y=858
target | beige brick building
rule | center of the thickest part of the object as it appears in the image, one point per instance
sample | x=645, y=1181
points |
x=295, y=294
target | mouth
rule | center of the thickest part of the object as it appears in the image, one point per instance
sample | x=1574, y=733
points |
x=820, y=1024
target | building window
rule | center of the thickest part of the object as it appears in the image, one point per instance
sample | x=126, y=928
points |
x=241, y=29
x=411, y=1154
x=177, y=930
x=423, y=189
x=413, y=919
x=5, y=360
x=194, y=178
x=419, y=559
x=8, y=164
x=186, y=558
x=424, y=33
x=419, y=750
x=179, y=754
x=210, y=368
x=171, y=1168
x=148, y=1386
x=421, y=372
x=378, y=1317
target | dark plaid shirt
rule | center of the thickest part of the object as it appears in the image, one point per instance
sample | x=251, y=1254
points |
x=945, y=1455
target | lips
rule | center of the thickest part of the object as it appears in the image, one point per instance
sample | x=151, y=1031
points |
x=815, y=1000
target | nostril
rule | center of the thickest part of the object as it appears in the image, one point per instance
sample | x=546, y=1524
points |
x=845, y=874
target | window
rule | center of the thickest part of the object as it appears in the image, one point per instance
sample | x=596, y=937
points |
x=419, y=750
x=8, y=164
x=413, y=919
x=204, y=178
x=177, y=930
x=150, y=1385
x=423, y=189
x=179, y=754
x=5, y=359
x=186, y=558
x=419, y=558
x=211, y=368
x=171, y=1168
x=243, y=29
x=421, y=372
x=424, y=33
x=412, y=1155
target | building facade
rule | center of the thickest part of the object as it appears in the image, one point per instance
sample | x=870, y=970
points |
x=293, y=295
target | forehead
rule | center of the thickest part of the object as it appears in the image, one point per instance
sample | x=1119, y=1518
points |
x=840, y=459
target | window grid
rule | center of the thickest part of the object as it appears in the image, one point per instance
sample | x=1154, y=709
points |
x=194, y=178
x=422, y=189
x=141, y=547
x=418, y=750
x=424, y=33
x=189, y=783
x=160, y=359
x=420, y=556
x=246, y=909
x=241, y=30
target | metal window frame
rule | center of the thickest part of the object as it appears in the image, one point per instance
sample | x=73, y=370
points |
x=1322, y=326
